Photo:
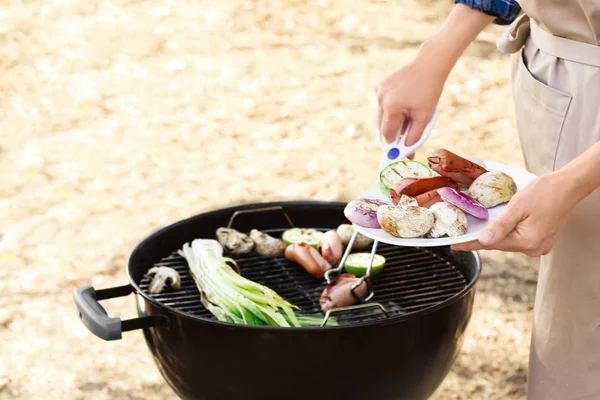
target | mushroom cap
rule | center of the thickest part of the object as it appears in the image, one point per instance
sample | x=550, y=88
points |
x=449, y=220
x=493, y=188
x=233, y=241
x=405, y=221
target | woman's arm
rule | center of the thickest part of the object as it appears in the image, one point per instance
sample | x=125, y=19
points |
x=582, y=175
x=413, y=91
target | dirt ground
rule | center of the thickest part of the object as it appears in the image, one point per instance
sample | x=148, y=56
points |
x=119, y=117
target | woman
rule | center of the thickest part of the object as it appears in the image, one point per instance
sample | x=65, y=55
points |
x=556, y=89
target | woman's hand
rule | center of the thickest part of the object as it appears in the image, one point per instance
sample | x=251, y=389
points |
x=412, y=93
x=531, y=220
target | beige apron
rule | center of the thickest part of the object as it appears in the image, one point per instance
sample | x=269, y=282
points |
x=556, y=89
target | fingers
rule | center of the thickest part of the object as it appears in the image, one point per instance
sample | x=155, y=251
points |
x=390, y=126
x=511, y=243
x=502, y=226
x=416, y=130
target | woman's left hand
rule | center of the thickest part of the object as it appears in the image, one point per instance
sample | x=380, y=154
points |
x=530, y=222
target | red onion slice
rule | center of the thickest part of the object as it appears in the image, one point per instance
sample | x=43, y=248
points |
x=363, y=212
x=464, y=202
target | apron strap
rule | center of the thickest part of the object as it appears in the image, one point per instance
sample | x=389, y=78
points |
x=567, y=49
x=515, y=36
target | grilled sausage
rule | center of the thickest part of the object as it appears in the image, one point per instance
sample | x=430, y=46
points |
x=413, y=187
x=331, y=247
x=339, y=294
x=428, y=199
x=308, y=258
x=453, y=166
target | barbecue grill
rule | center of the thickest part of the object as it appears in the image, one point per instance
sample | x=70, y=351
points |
x=399, y=344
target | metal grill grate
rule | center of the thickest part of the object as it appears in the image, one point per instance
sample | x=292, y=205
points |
x=413, y=279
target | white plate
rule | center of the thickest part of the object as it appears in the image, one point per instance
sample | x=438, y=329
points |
x=520, y=176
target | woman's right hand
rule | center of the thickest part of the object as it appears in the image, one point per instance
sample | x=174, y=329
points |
x=410, y=94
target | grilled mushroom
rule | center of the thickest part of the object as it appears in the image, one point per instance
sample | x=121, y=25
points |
x=406, y=220
x=493, y=188
x=234, y=242
x=449, y=220
x=266, y=245
x=345, y=231
x=162, y=276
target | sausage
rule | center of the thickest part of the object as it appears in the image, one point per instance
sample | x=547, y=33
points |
x=339, y=294
x=428, y=199
x=453, y=166
x=413, y=187
x=308, y=258
x=331, y=247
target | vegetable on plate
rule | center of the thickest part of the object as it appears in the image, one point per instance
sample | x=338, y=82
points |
x=464, y=202
x=401, y=169
x=493, y=188
x=406, y=219
x=358, y=264
x=363, y=212
x=449, y=220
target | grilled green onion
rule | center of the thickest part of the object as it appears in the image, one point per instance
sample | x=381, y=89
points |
x=231, y=297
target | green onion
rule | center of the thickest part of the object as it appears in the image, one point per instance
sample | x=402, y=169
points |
x=233, y=298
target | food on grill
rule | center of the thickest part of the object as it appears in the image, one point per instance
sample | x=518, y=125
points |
x=451, y=165
x=464, y=202
x=339, y=294
x=161, y=276
x=415, y=186
x=406, y=219
x=234, y=242
x=358, y=264
x=298, y=235
x=493, y=188
x=361, y=242
x=330, y=246
x=308, y=258
x=363, y=212
x=449, y=220
x=229, y=296
x=266, y=245
x=401, y=169
x=428, y=199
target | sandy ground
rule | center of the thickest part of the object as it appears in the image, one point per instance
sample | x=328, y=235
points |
x=121, y=117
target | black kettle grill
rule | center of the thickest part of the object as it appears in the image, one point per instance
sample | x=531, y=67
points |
x=399, y=345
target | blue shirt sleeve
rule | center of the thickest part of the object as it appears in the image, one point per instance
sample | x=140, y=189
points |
x=505, y=11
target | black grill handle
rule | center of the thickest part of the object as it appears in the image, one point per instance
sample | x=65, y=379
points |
x=96, y=319
x=260, y=209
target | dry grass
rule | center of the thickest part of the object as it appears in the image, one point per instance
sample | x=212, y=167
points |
x=121, y=117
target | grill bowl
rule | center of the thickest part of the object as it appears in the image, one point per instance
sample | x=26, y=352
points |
x=405, y=356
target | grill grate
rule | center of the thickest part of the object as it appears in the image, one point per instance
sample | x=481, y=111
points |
x=413, y=279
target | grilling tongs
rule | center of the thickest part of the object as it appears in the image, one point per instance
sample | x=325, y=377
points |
x=392, y=152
